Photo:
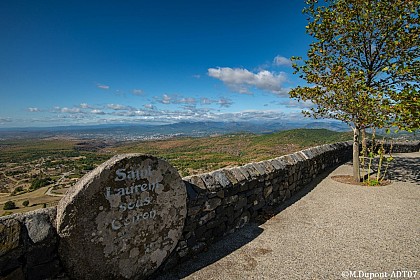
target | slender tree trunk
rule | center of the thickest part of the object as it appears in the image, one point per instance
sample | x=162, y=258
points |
x=364, y=142
x=356, y=159
x=364, y=148
x=373, y=137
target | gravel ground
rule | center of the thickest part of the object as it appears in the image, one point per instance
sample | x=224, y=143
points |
x=330, y=230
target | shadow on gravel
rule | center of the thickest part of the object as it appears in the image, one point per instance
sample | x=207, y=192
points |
x=405, y=169
x=232, y=242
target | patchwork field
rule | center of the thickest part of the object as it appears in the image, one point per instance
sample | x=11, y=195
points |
x=39, y=171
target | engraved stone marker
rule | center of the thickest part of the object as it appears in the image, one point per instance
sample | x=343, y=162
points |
x=121, y=220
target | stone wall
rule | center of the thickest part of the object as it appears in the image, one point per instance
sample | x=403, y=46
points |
x=402, y=147
x=29, y=245
x=222, y=201
x=218, y=203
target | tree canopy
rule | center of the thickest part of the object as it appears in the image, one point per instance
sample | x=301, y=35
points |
x=363, y=67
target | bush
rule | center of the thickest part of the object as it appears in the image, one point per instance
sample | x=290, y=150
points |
x=25, y=203
x=17, y=190
x=40, y=182
x=9, y=205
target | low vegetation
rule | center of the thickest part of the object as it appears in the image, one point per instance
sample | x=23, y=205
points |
x=197, y=155
x=30, y=169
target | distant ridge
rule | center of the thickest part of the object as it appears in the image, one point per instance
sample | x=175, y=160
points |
x=147, y=131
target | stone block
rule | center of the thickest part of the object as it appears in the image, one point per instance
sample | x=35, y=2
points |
x=39, y=228
x=10, y=230
x=221, y=179
x=243, y=220
x=231, y=199
x=212, y=203
x=209, y=181
x=230, y=176
x=267, y=191
x=260, y=168
x=220, y=194
x=249, y=173
x=196, y=180
x=207, y=217
x=242, y=202
x=236, y=172
x=269, y=168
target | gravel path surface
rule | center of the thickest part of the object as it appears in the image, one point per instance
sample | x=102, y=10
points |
x=333, y=229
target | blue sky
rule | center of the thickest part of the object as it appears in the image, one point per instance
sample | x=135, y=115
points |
x=162, y=61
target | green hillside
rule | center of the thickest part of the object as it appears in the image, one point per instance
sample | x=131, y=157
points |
x=197, y=155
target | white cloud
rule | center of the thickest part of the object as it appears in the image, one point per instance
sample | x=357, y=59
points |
x=105, y=87
x=206, y=101
x=187, y=100
x=175, y=99
x=119, y=107
x=293, y=103
x=240, y=80
x=166, y=99
x=149, y=106
x=34, y=109
x=70, y=110
x=224, y=102
x=84, y=106
x=282, y=61
x=137, y=92
x=97, y=112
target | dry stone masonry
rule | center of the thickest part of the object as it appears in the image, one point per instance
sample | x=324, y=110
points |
x=124, y=219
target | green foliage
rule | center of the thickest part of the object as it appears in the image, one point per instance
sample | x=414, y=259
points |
x=17, y=190
x=25, y=203
x=377, y=152
x=364, y=63
x=9, y=205
x=372, y=182
x=363, y=67
x=40, y=182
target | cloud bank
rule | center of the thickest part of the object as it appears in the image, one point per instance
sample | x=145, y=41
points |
x=242, y=80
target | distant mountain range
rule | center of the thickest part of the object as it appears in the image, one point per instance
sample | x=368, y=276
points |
x=143, y=132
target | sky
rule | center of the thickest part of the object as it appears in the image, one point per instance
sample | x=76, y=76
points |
x=144, y=61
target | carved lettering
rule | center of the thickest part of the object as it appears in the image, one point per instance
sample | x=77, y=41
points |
x=136, y=218
x=136, y=174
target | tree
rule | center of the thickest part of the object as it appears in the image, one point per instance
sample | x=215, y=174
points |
x=363, y=66
x=25, y=203
x=9, y=205
x=40, y=182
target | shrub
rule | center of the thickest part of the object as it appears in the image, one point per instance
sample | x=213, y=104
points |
x=25, y=203
x=40, y=182
x=9, y=205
